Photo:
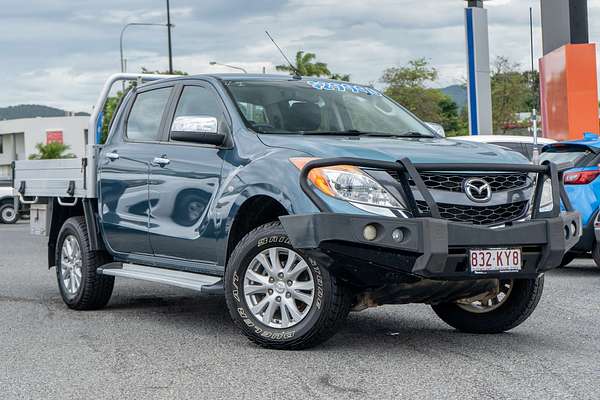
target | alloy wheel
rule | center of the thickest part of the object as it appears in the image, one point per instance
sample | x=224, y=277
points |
x=70, y=265
x=279, y=287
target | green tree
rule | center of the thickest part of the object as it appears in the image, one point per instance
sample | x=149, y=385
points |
x=463, y=118
x=340, y=77
x=511, y=92
x=109, y=110
x=113, y=101
x=306, y=65
x=51, y=151
x=408, y=86
x=533, y=84
x=413, y=75
x=175, y=72
x=450, y=116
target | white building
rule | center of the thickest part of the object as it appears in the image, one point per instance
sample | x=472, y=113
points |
x=18, y=137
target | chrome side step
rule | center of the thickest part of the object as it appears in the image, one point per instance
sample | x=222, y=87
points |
x=203, y=283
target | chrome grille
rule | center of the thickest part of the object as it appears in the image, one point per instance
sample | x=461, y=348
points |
x=487, y=215
x=454, y=182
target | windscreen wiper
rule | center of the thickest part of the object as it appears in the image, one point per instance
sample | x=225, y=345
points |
x=356, y=132
x=408, y=134
x=349, y=132
x=414, y=134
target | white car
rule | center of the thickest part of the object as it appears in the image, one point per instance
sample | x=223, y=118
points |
x=8, y=215
x=520, y=144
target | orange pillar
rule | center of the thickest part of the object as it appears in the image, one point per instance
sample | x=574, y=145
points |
x=569, y=92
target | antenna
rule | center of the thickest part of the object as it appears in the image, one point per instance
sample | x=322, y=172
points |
x=298, y=75
x=534, y=122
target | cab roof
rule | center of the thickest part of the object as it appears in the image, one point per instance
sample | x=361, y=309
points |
x=255, y=77
x=249, y=77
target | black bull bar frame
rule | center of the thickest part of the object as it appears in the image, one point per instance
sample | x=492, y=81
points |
x=434, y=247
x=406, y=169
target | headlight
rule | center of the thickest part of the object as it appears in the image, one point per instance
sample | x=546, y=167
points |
x=348, y=183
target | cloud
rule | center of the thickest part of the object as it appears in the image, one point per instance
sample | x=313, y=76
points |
x=122, y=17
x=58, y=54
x=56, y=84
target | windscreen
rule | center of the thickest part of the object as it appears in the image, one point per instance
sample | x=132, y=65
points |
x=321, y=108
x=559, y=155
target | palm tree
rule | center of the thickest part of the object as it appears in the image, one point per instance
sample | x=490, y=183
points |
x=51, y=151
x=306, y=66
x=340, y=77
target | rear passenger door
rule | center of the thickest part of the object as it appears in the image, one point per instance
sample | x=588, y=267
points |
x=184, y=185
x=125, y=167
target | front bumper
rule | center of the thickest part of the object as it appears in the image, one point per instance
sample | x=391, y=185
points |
x=431, y=248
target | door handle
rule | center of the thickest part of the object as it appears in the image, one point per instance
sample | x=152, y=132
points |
x=161, y=161
x=112, y=156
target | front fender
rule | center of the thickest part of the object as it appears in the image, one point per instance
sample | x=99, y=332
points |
x=271, y=175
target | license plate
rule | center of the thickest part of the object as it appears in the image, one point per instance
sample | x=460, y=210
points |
x=495, y=260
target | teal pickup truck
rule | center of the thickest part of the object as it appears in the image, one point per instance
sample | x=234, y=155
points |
x=299, y=200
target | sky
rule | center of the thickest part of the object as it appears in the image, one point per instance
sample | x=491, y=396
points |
x=59, y=52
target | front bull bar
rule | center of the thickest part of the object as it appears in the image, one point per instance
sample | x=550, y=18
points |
x=407, y=170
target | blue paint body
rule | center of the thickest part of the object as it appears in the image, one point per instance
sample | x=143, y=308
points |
x=584, y=198
x=472, y=74
x=181, y=215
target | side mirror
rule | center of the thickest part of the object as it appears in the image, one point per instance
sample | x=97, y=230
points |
x=197, y=129
x=437, y=128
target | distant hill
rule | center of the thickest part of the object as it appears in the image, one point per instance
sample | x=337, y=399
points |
x=33, y=111
x=458, y=93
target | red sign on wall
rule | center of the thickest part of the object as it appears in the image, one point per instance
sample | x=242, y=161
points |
x=54, y=137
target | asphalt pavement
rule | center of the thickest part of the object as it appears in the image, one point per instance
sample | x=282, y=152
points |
x=155, y=342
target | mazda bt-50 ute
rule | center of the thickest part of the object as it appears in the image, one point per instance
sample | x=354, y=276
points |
x=299, y=200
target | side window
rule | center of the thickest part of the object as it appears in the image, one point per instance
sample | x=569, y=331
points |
x=254, y=113
x=198, y=101
x=143, y=123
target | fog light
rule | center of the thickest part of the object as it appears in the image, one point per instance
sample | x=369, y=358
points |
x=398, y=235
x=370, y=232
x=573, y=229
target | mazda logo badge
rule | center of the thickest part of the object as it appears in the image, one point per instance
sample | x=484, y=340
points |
x=478, y=190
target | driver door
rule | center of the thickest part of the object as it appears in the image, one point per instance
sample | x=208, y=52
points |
x=185, y=182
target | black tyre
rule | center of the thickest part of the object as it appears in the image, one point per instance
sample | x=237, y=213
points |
x=80, y=286
x=280, y=298
x=596, y=253
x=8, y=214
x=513, y=305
